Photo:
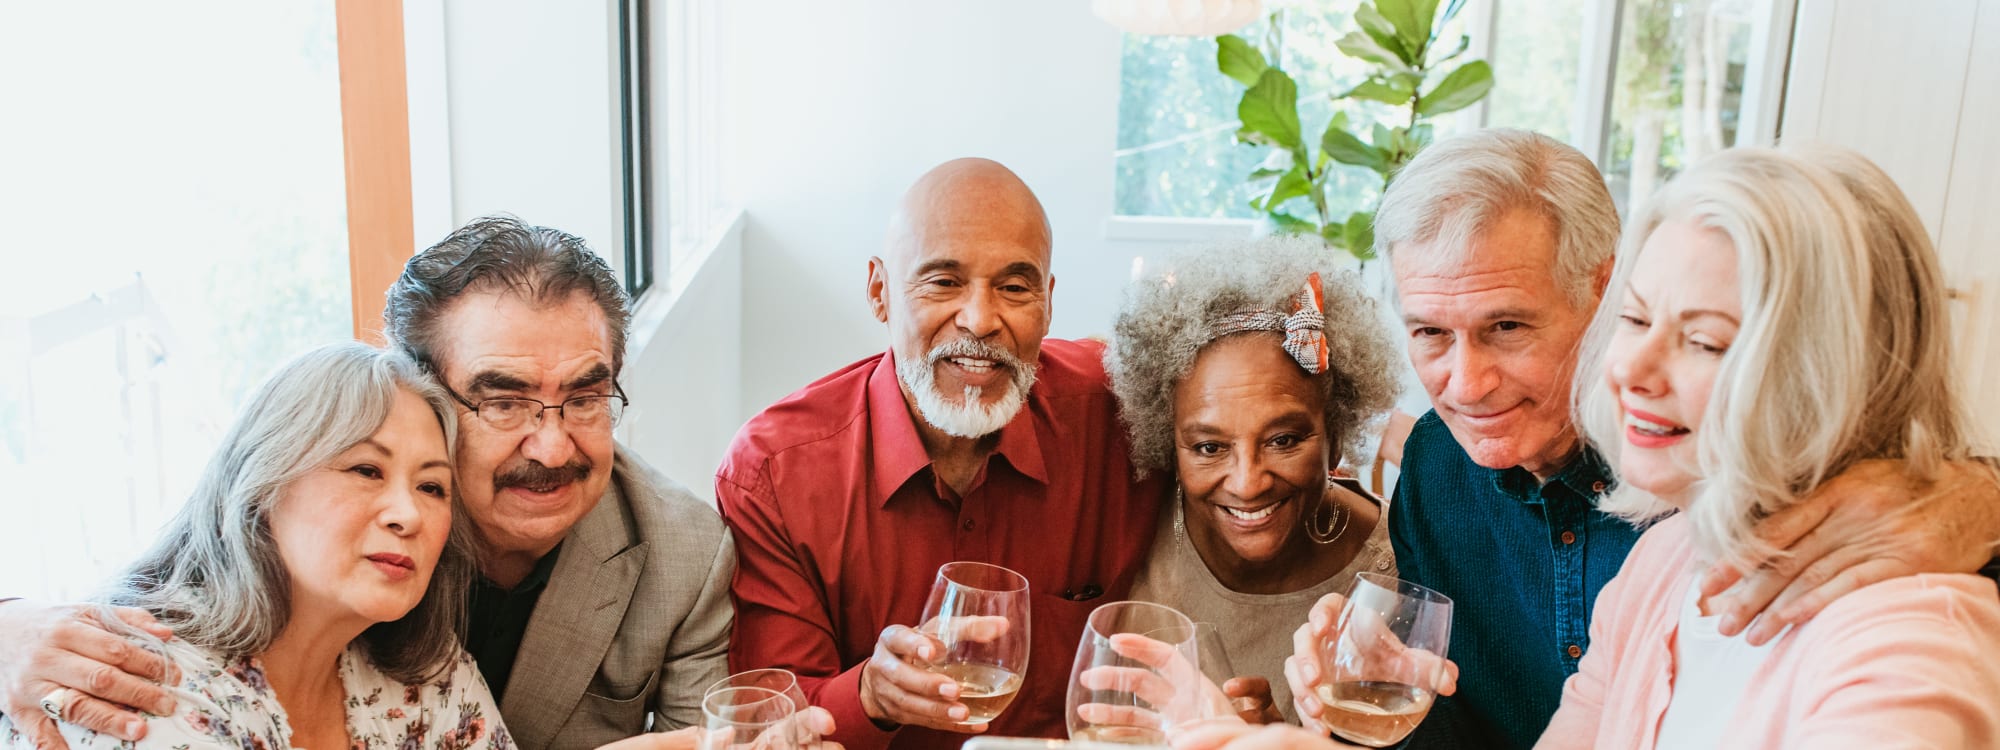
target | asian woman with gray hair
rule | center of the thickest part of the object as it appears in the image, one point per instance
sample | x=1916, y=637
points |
x=313, y=582
x=1246, y=372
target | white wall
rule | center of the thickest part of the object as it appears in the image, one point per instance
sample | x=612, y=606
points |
x=533, y=116
x=1928, y=121
x=842, y=105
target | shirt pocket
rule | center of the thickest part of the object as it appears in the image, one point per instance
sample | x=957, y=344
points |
x=620, y=710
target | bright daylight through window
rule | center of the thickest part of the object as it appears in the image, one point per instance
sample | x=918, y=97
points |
x=210, y=136
x=1679, y=70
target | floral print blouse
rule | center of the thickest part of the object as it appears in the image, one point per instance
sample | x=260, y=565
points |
x=229, y=704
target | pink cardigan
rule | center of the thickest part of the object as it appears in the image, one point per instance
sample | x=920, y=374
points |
x=1908, y=663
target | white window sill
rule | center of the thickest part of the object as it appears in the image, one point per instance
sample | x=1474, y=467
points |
x=657, y=305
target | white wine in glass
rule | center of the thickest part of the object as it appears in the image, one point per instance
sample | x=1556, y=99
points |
x=1381, y=669
x=978, y=614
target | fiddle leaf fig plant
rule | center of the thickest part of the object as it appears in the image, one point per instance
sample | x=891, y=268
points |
x=1399, y=39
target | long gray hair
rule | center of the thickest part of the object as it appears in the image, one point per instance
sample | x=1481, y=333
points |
x=215, y=576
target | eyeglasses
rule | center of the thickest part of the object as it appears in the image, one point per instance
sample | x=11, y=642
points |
x=511, y=414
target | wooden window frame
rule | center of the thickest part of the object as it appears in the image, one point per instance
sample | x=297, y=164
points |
x=375, y=129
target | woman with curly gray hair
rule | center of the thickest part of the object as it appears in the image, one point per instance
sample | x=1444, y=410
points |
x=1246, y=372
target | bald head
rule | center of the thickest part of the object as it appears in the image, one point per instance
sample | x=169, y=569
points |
x=964, y=287
x=969, y=200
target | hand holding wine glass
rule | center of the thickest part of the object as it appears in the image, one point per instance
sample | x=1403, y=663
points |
x=1374, y=678
x=754, y=718
x=1136, y=677
x=964, y=664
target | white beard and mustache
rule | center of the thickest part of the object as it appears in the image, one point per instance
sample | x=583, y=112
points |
x=968, y=418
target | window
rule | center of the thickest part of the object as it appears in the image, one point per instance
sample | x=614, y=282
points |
x=181, y=230
x=635, y=115
x=1685, y=77
x=1177, y=151
x=675, y=198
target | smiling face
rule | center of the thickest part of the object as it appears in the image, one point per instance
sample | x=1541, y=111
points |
x=1250, y=448
x=1678, y=316
x=965, y=291
x=360, y=536
x=1494, y=340
x=525, y=488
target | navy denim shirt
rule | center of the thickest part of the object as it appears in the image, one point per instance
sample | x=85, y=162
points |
x=1522, y=562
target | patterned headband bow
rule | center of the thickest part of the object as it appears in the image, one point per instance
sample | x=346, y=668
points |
x=1304, y=328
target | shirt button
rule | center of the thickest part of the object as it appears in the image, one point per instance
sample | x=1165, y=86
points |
x=1575, y=651
x=1569, y=537
x=1597, y=486
x=1381, y=564
x=968, y=524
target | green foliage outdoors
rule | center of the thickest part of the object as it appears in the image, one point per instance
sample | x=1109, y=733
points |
x=1399, y=39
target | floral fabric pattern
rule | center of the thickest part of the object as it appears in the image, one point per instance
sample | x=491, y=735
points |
x=229, y=704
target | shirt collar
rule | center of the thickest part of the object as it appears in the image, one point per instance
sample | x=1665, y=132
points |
x=897, y=452
x=1586, y=475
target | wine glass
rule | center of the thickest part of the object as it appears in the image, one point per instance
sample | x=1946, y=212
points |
x=752, y=718
x=978, y=614
x=1382, y=666
x=1137, y=676
x=781, y=681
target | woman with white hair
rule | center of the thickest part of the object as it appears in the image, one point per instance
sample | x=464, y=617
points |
x=1245, y=372
x=1773, y=319
x=314, y=582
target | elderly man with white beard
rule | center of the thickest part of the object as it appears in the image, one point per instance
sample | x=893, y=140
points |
x=971, y=438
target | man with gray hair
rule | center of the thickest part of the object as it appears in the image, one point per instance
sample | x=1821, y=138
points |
x=601, y=607
x=1500, y=242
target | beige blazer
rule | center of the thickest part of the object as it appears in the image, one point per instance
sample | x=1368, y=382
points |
x=634, y=623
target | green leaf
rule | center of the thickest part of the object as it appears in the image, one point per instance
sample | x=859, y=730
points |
x=1284, y=223
x=1239, y=59
x=1358, y=235
x=1412, y=19
x=1271, y=109
x=1395, y=90
x=1383, y=137
x=1360, y=46
x=1345, y=148
x=1459, y=90
x=1264, y=174
x=1334, y=234
x=1251, y=137
x=1294, y=184
x=1382, y=31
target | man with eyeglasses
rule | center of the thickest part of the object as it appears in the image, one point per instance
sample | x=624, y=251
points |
x=602, y=608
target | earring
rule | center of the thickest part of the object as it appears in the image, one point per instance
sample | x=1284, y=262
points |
x=1324, y=530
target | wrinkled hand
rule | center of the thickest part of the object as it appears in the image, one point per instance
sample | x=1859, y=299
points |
x=1390, y=660
x=815, y=722
x=1251, y=698
x=1253, y=737
x=1861, y=527
x=45, y=647
x=896, y=686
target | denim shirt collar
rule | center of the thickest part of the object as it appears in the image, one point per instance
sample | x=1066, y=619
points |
x=1586, y=476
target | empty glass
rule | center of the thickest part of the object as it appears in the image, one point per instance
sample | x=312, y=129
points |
x=752, y=718
x=780, y=680
x=1137, y=677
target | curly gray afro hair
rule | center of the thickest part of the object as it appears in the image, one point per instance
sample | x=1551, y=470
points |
x=1166, y=320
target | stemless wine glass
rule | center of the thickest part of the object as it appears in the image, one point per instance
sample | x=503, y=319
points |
x=780, y=680
x=752, y=717
x=1137, y=676
x=979, y=615
x=1381, y=669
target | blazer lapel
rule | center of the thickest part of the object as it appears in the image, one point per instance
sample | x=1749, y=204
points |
x=574, y=622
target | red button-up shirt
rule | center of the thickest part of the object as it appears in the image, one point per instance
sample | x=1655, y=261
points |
x=841, y=525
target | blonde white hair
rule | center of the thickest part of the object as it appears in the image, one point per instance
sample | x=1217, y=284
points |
x=1843, y=353
x=1458, y=187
